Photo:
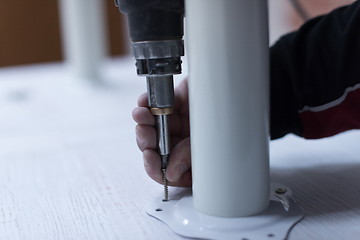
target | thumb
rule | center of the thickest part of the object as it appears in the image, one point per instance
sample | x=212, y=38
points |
x=179, y=161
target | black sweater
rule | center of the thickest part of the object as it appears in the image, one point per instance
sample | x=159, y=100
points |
x=315, y=77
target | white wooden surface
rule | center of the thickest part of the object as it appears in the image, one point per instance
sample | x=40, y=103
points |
x=70, y=168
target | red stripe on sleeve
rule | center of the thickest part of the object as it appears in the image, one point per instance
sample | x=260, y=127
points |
x=342, y=117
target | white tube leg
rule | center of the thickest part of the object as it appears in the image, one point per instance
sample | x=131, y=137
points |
x=227, y=43
x=84, y=36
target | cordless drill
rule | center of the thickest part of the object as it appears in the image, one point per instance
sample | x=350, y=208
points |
x=156, y=30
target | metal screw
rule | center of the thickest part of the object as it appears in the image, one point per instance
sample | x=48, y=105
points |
x=166, y=189
x=280, y=191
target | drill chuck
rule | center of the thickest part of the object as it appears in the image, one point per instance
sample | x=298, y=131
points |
x=158, y=58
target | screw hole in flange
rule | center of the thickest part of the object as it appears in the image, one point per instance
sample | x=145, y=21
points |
x=270, y=235
x=158, y=209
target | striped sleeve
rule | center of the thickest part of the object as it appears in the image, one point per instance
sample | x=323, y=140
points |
x=315, y=77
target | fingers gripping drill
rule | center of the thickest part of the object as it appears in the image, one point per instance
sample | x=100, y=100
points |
x=156, y=30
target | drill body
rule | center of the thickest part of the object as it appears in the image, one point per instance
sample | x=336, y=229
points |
x=156, y=30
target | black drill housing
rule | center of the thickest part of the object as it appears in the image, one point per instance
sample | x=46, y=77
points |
x=153, y=20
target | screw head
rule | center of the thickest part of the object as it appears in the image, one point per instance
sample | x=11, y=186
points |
x=280, y=191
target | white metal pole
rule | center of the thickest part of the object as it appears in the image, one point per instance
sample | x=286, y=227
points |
x=227, y=43
x=84, y=36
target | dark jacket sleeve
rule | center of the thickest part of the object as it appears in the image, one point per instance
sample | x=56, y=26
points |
x=315, y=77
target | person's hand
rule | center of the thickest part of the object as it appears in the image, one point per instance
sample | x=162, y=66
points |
x=178, y=170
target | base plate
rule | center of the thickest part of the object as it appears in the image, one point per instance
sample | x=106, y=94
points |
x=274, y=223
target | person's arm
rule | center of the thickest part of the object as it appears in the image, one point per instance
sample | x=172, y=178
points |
x=315, y=77
x=314, y=80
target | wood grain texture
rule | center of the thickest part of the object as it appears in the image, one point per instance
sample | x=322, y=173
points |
x=325, y=176
x=69, y=165
x=70, y=168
